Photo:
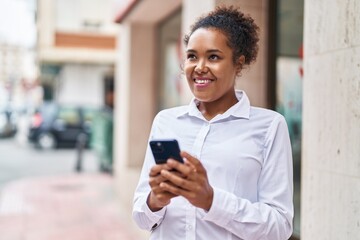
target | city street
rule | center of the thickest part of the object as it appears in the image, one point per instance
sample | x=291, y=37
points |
x=19, y=160
x=42, y=197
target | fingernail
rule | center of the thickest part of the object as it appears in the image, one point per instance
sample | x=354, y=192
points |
x=171, y=162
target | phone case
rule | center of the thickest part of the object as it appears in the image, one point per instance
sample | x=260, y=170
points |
x=165, y=149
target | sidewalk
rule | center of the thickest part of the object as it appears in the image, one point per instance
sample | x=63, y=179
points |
x=73, y=207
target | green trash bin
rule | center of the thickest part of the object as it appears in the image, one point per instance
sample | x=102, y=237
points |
x=102, y=139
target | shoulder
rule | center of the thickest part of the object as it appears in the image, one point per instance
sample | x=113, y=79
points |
x=167, y=120
x=265, y=115
x=267, y=122
x=274, y=124
x=171, y=113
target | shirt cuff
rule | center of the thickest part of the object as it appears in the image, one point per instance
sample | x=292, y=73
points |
x=223, y=208
x=155, y=217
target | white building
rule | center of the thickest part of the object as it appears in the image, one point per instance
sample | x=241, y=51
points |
x=76, y=49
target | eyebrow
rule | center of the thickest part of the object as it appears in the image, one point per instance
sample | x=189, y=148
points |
x=208, y=51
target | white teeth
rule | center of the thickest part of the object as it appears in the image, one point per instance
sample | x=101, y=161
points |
x=202, y=81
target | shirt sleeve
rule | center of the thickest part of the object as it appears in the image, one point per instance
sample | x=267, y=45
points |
x=271, y=216
x=142, y=215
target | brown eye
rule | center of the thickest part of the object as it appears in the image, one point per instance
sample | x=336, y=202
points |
x=190, y=56
x=214, y=57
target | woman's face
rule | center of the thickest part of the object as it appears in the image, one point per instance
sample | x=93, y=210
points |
x=209, y=66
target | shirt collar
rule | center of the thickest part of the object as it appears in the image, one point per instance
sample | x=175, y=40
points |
x=240, y=110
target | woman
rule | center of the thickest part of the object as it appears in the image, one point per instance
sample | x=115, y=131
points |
x=236, y=182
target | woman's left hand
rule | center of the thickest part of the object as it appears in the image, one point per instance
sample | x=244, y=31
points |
x=192, y=183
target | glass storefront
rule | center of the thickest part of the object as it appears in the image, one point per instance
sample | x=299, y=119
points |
x=170, y=81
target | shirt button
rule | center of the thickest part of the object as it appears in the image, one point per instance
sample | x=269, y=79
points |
x=188, y=227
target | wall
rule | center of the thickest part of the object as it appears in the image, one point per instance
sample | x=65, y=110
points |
x=331, y=121
x=60, y=31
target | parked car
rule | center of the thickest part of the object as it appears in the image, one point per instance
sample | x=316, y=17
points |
x=8, y=126
x=54, y=125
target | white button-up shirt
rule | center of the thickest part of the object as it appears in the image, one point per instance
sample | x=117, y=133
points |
x=247, y=155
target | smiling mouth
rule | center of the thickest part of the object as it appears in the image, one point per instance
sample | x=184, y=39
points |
x=202, y=81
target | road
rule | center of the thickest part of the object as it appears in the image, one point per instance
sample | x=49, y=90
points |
x=20, y=160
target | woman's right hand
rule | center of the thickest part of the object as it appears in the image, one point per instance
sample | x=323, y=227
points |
x=158, y=198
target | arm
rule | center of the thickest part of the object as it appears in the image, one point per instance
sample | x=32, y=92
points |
x=150, y=200
x=270, y=217
x=142, y=214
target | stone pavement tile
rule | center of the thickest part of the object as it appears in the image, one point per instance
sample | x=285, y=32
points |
x=11, y=227
x=75, y=207
x=116, y=235
x=11, y=236
x=74, y=232
x=11, y=223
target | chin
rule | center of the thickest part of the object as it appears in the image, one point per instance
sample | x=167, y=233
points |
x=202, y=98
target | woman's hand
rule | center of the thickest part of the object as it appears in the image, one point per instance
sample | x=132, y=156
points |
x=158, y=197
x=192, y=182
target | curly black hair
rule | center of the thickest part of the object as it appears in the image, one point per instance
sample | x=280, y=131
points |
x=240, y=30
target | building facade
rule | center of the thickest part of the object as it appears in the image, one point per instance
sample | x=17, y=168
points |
x=316, y=89
x=76, y=49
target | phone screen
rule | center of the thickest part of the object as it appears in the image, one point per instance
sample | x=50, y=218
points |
x=165, y=149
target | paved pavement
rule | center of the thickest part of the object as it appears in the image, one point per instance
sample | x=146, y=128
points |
x=72, y=207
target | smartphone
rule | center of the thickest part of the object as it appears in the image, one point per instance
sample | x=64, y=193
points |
x=165, y=149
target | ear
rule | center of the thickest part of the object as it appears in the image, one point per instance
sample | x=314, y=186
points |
x=240, y=62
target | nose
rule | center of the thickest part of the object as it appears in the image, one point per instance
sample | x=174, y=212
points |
x=201, y=67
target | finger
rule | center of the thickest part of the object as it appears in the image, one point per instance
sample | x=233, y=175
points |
x=155, y=170
x=154, y=181
x=193, y=161
x=159, y=191
x=183, y=169
x=174, y=179
x=175, y=190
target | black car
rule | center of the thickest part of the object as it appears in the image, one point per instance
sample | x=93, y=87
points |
x=54, y=125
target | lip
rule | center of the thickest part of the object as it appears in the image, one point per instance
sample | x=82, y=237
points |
x=202, y=82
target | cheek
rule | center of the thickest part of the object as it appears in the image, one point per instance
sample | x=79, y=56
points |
x=228, y=73
x=188, y=69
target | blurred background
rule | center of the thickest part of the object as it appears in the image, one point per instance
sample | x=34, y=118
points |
x=81, y=80
x=63, y=63
x=57, y=63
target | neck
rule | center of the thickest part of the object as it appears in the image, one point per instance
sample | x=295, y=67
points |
x=211, y=109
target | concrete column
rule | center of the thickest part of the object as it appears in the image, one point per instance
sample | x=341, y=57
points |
x=135, y=103
x=331, y=121
x=46, y=23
